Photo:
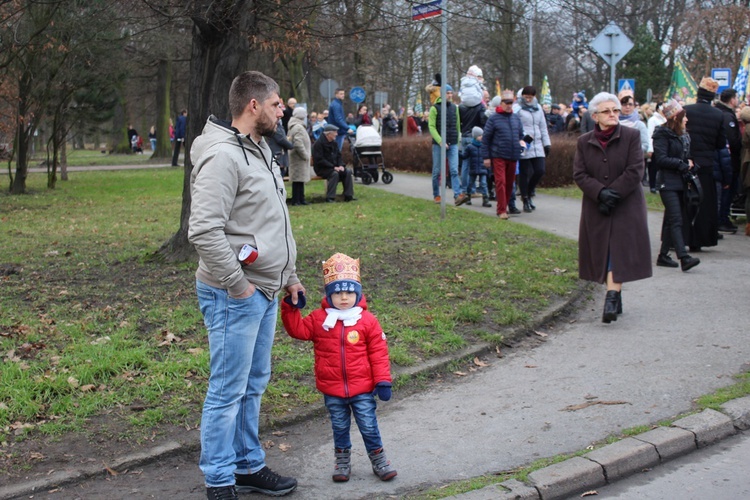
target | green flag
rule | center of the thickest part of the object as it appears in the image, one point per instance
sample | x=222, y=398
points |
x=682, y=87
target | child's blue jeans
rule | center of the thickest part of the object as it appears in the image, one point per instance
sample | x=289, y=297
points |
x=363, y=407
x=482, y=183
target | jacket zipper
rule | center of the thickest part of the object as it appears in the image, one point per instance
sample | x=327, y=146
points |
x=343, y=359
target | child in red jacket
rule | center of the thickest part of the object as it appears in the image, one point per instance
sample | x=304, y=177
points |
x=351, y=361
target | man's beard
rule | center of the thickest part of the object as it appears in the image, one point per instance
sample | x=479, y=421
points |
x=265, y=126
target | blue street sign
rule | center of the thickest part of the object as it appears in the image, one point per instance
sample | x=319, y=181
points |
x=723, y=76
x=357, y=94
x=626, y=84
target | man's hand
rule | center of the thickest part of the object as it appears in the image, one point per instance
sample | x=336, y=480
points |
x=487, y=162
x=293, y=289
x=248, y=292
x=339, y=168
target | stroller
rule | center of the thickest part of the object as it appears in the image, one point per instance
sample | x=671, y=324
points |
x=367, y=156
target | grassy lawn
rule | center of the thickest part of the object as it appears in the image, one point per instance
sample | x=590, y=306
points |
x=653, y=200
x=88, y=158
x=89, y=324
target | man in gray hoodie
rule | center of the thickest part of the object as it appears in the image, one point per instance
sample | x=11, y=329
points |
x=240, y=227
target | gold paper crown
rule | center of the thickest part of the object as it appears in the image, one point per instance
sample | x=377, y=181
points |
x=507, y=95
x=340, y=267
x=708, y=83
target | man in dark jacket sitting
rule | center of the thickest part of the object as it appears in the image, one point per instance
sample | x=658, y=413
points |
x=328, y=164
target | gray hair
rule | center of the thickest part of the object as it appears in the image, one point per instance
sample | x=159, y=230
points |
x=601, y=98
x=248, y=86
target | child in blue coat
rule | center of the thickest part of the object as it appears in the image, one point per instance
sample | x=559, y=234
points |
x=477, y=170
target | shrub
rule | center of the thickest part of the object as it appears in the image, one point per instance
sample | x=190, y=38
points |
x=414, y=154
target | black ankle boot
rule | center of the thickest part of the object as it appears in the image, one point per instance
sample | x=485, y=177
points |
x=610, y=306
x=526, y=206
x=687, y=262
x=619, y=302
x=664, y=260
x=531, y=203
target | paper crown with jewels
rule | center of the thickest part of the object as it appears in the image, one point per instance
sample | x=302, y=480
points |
x=341, y=274
x=340, y=267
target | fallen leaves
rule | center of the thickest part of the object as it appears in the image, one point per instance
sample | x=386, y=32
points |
x=169, y=338
x=589, y=493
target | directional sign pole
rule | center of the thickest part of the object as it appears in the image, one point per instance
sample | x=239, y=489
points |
x=443, y=110
x=612, y=62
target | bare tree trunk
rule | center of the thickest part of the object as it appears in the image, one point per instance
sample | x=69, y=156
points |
x=23, y=134
x=163, y=89
x=219, y=53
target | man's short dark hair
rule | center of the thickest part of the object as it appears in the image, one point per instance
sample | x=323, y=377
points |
x=339, y=90
x=247, y=86
x=727, y=95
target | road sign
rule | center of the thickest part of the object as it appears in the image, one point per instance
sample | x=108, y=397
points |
x=357, y=94
x=381, y=98
x=426, y=10
x=611, y=44
x=328, y=88
x=627, y=84
x=723, y=76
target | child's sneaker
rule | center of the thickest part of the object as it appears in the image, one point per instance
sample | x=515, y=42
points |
x=381, y=466
x=343, y=468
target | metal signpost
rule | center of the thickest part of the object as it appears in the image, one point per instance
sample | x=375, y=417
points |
x=425, y=11
x=611, y=44
x=328, y=89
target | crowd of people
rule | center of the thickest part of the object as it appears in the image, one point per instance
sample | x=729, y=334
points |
x=242, y=233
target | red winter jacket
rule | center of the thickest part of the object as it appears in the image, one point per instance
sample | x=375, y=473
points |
x=349, y=360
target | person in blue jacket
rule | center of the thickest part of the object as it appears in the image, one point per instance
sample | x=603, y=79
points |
x=337, y=117
x=179, y=135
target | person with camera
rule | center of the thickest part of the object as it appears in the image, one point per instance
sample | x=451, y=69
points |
x=613, y=241
x=673, y=165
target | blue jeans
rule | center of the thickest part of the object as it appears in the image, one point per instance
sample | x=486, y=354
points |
x=482, y=184
x=240, y=336
x=451, y=155
x=363, y=407
x=340, y=141
x=468, y=186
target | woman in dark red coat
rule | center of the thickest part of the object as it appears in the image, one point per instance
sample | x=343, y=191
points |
x=613, y=241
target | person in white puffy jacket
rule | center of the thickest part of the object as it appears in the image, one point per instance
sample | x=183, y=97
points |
x=471, y=89
x=536, y=135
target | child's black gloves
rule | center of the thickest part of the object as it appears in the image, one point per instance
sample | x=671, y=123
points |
x=383, y=390
x=301, y=301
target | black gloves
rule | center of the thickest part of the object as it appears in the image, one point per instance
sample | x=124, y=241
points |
x=608, y=200
x=383, y=390
x=527, y=139
x=546, y=150
x=301, y=301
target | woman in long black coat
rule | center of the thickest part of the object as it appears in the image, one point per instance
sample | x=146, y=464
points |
x=613, y=242
x=672, y=162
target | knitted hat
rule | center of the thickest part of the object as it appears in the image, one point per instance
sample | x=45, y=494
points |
x=708, y=83
x=341, y=274
x=477, y=132
x=299, y=112
x=448, y=88
x=474, y=71
x=507, y=95
x=671, y=108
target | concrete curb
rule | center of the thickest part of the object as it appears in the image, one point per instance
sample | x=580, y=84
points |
x=81, y=473
x=624, y=458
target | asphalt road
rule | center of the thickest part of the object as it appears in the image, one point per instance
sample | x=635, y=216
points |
x=681, y=335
